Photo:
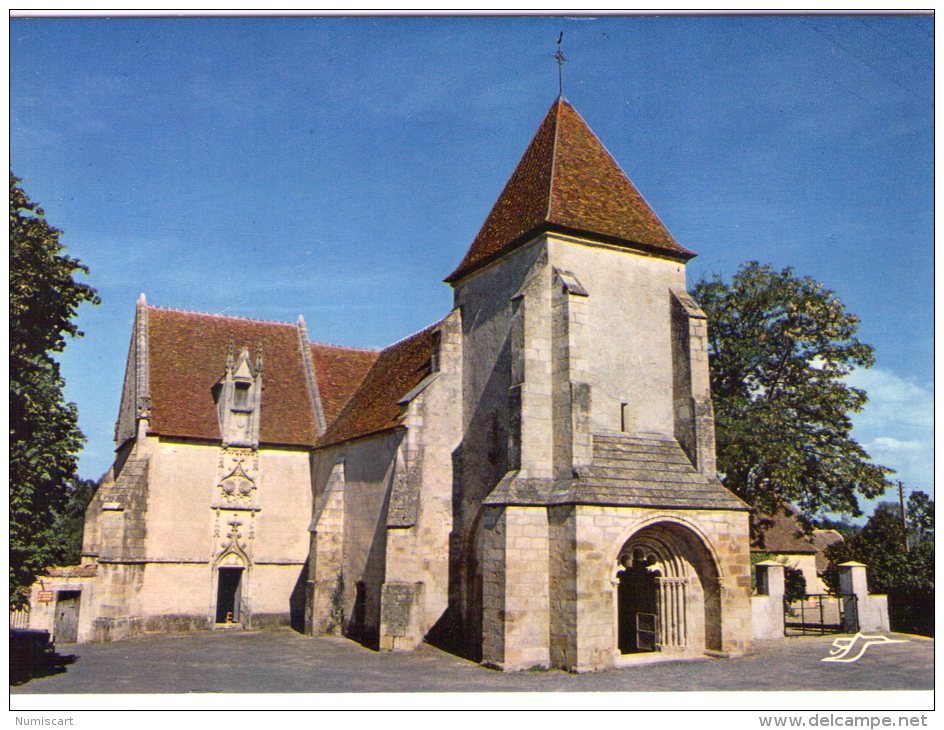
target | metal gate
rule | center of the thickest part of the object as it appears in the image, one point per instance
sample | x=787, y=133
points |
x=647, y=629
x=820, y=614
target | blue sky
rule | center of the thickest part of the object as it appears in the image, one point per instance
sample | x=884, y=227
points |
x=339, y=168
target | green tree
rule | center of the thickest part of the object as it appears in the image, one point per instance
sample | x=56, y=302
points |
x=907, y=577
x=780, y=347
x=71, y=522
x=920, y=513
x=44, y=435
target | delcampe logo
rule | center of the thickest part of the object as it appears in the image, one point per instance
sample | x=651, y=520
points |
x=843, y=646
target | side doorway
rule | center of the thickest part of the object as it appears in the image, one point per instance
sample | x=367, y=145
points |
x=66, y=627
x=229, y=595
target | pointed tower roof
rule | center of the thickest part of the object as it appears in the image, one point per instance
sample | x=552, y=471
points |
x=567, y=182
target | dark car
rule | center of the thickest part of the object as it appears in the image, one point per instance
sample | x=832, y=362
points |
x=29, y=649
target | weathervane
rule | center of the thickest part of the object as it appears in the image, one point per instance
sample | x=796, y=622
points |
x=559, y=56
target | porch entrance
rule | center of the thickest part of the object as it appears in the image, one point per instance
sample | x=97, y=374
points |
x=228, y=595
x=667, y=592
x=637, y=606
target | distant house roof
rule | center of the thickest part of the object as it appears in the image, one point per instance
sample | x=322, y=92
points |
x=73, y=571
x=567, y=182
x=780, y=533
x=374, y=407
x=823, y=539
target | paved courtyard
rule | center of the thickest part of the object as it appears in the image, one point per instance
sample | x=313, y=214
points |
x=280, y=660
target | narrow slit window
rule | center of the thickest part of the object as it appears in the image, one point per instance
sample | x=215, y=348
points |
x=434, y=358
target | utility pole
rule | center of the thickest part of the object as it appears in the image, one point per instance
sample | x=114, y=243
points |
x=904, y=519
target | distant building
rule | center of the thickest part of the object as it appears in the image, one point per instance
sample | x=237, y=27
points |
x=530, y=480
x=782, y=536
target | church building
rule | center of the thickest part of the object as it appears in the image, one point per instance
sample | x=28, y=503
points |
x=529, y=481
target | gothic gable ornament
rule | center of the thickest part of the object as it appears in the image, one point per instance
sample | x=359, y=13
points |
x=239, y=399
x=238, y=480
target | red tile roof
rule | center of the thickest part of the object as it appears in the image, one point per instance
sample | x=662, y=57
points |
x=339, y=370
x=567, y=182
x=373, y=408
x=187, y=356
x=359, y=389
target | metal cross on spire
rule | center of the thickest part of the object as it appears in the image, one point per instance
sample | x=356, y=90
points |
x=559, y=56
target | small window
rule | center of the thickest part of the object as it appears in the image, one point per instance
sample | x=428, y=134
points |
x=625, y=417
x=241, y=396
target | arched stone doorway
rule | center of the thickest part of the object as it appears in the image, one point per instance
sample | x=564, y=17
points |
x=667, y=592
x=231, y=587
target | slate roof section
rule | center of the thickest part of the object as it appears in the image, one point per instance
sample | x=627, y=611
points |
x=645, y=471
x=374, y=407
x=780, y=533
x=339, y=370
x=187, y=356
x=566, y=181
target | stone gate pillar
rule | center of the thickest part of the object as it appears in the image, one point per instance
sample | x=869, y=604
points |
x=767, y=605
x=870, y=610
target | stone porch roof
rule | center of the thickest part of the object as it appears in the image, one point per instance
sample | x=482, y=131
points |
x=627, y=471
x=647, y=471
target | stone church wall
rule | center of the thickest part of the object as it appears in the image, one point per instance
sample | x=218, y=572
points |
x=158, y=551
x=628, y=327
x=359, y=519
x=420, y=517
x=485, y=301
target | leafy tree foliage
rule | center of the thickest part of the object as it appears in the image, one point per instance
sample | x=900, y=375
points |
x=780, y=347
x=907, y=577
x=920, y=513
x=71, y=523
x=794, y=584
x=44, y=435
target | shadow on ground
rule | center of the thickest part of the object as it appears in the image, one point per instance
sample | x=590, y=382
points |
x=24, y=669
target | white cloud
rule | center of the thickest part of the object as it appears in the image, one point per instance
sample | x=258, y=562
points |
x=896, y=427
x=892, y=400
x=887, y=444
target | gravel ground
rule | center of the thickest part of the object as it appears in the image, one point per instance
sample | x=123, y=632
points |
x=280, y=660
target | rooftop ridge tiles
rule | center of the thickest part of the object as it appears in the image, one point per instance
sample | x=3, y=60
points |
x=176, y=310
x=350, y=348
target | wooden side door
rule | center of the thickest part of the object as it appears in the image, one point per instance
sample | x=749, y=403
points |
x=66, y=629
